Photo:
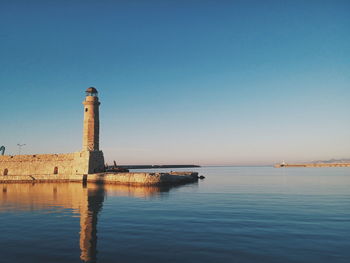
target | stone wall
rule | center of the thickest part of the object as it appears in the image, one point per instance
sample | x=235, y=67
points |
x=83, y=162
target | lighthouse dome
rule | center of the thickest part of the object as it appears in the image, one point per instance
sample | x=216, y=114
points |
x=91, y=91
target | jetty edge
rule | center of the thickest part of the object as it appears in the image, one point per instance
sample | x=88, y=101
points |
x=311, y=165
x=139, y=178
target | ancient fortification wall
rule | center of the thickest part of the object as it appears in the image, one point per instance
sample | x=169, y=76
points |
x=83, y=162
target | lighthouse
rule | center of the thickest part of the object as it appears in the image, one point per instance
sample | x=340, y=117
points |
x=89, y=160
x=91, y=130
x=91, y=134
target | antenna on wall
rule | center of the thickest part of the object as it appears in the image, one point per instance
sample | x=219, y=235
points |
x=20, y=147
x=2, y=150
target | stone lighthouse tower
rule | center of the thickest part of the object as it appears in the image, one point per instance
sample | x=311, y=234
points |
x=91, y=131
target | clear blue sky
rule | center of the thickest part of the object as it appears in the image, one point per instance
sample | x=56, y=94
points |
x=207, y=82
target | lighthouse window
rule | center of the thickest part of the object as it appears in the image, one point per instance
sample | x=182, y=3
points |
x=86, y=109
x=55, y=170
x=6, y=171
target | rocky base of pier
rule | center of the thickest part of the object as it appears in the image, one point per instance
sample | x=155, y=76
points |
x=172, y=178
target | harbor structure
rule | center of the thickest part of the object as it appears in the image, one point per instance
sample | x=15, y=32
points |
x=86, y=165
x=87, y=161
x=310, y=165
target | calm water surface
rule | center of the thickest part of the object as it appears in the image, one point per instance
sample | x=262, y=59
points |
x=237, y=214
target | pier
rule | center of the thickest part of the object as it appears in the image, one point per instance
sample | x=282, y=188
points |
x=312, y=165
x=142, y=179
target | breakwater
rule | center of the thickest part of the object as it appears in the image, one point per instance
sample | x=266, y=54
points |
x=313, y=165
x=172, y=178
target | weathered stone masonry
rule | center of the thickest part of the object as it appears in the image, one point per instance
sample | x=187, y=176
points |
x=84, y=162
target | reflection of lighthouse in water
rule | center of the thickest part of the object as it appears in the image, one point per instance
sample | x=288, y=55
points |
x=88, y=223
x=87, y=200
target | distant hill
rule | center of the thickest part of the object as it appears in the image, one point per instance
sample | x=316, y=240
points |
x=333, y=161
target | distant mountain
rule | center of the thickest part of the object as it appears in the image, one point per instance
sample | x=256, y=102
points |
x=333, y=161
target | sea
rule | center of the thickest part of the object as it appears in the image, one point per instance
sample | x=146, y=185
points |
x=236, y=214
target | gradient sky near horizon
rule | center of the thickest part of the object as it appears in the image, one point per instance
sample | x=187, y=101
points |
x=205, y=82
